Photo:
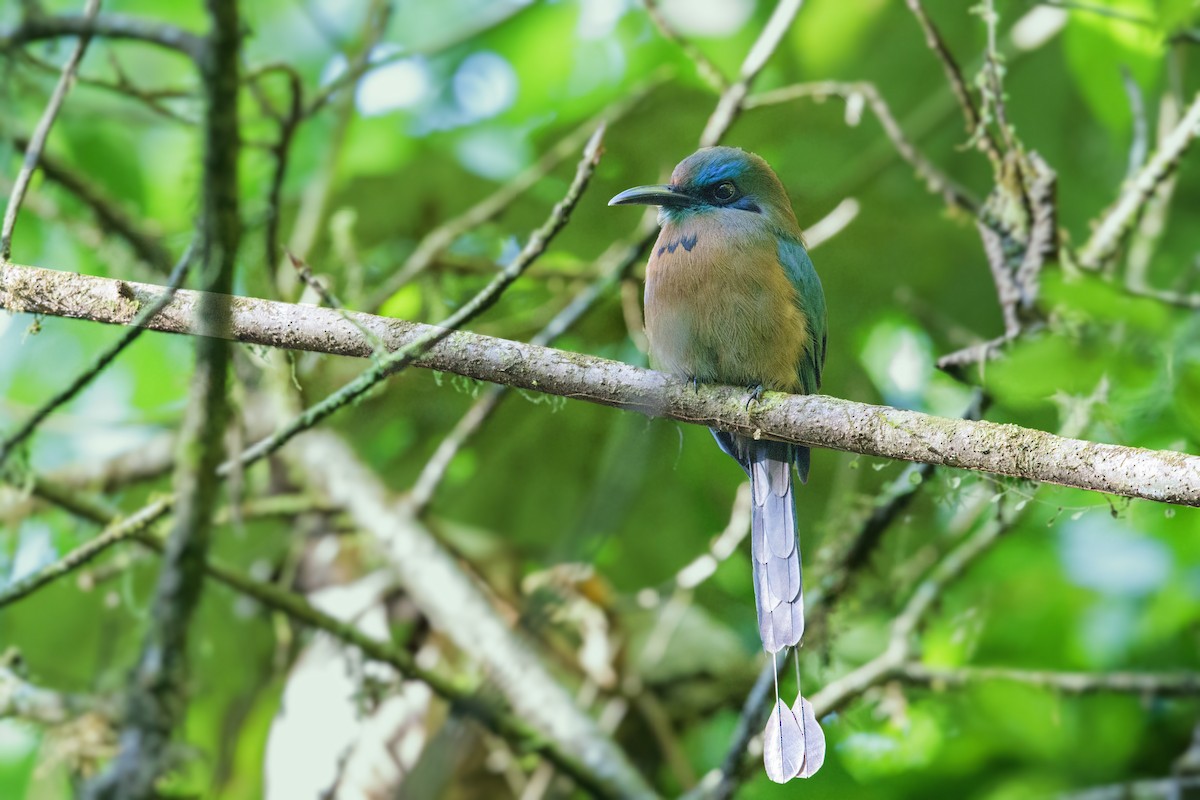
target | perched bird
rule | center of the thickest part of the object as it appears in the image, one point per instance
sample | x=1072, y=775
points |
x=732, y=297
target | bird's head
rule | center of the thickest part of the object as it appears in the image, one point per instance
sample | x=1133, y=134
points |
x=724, y=180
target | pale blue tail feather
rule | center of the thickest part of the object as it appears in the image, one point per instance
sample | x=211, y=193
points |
x=774, y=535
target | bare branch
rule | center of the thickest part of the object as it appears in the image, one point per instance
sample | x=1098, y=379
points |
x=21, y=699
x=120, y=530
x=1110, y=231
x=704, y=66
x=101, y=363
x=730, y=104
x=815, y=420
x=145, y=244
x=464, y=696
x=36, y=28
x=440, y=238
x=975, y=126
x=457, y=608
x=157, y=696
x=935, y=180
x=1139, y=142
x=1148, y=684
x=37, y=142
x=900, y=647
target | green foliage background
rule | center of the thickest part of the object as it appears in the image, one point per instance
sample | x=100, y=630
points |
x=1082, y=583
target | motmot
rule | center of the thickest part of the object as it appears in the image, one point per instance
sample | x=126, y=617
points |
x=732, y=297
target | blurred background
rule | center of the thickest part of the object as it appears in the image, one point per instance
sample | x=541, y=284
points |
x=577, y=518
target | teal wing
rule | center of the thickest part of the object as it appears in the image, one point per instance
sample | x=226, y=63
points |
x=810, y=297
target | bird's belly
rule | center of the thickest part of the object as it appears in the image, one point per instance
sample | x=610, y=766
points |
x=746, y=335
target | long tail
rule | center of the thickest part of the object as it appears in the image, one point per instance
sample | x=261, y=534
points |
x=774, y=545
x=793, y=742
x=774, y=539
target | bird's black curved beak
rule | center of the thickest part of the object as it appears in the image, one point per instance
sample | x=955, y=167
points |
x=661, y=195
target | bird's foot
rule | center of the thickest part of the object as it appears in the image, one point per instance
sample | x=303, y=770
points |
x=756, y=392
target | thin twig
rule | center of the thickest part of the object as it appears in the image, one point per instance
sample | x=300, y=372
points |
x=730, y=104
x=124, y=87
x=933, y=39
x=1147, y=684
x=178, y=275
x=992, y=80
x=438, y=240
x=900, y=647
x=707, y=70
x=288, y=124
x=935, y=180
x=111, y=218
x=955, y=362
x=464, y=696
x=117, y=530
x=40, y=27
x=1139, y=143
x=314, y=201
x=1111, y=230
x=405, y=356
x=37, y=141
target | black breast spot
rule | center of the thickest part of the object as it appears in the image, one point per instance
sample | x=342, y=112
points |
x=687, y=243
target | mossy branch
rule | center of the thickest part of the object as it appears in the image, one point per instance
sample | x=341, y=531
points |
x=815, y=420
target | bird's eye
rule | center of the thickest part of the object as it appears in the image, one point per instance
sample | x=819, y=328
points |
x=724, y=192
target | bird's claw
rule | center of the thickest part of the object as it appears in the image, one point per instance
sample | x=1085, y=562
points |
x=755, y=393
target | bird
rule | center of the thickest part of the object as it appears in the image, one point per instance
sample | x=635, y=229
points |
x=732, y=297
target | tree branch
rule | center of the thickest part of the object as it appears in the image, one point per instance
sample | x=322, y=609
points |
x=109, y=215
x=36, y=28
x=37, y=142
x=732, y=100
x=1107, y=236
x=457, y=608
x=1179, y=684
x=935, y=180
x=82, y=380
x=21, y=699
x=975, y=125
x=461, y=694
x=157, y=698
x=814, y=420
